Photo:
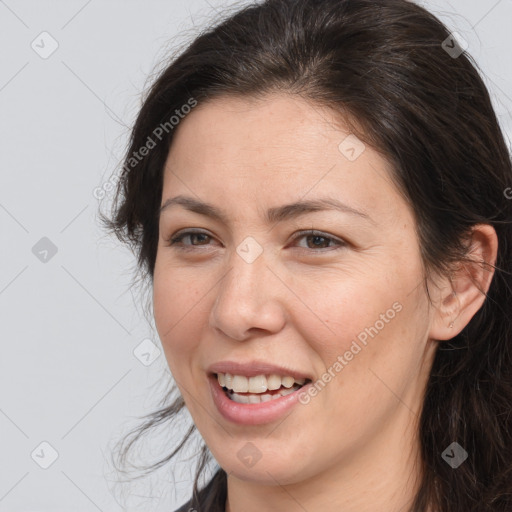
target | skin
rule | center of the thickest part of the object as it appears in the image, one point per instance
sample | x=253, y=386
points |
x=354, y=446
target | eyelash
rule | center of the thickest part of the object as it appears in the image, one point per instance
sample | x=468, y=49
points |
x=175, y=240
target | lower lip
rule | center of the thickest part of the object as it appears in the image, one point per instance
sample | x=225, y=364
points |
x=252, y=414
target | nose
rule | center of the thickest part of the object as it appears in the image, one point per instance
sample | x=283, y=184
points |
x=249, y=300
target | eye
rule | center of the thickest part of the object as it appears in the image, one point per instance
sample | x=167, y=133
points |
x=318, y=240
x=178, y=239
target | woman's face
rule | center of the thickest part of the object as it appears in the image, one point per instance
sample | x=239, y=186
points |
x=252, y=296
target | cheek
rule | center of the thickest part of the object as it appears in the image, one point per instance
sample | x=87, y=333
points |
x=362, y=329
x=178, y=312
x=345, y=312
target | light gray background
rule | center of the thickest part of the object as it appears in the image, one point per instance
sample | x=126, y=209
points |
x=70, y=325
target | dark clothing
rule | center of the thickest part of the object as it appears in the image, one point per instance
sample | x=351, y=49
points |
x=211, y=498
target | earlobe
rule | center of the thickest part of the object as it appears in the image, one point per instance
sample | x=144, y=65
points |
x=446, y=311
x=463, y=293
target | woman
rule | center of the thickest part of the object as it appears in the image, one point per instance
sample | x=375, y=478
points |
x=315, y=191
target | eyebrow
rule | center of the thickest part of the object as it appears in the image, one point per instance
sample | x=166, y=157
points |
x=276, y=214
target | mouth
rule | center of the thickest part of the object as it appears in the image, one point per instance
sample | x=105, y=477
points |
x=258, y=388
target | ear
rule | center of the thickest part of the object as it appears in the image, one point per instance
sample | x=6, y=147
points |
x=458, y=297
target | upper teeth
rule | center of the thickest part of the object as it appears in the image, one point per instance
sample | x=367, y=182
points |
x=256, y=384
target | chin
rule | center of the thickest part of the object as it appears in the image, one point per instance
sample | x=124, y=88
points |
x=268, y=470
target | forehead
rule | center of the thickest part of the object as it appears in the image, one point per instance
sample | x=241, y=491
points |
x=274, y=149
x=233, y=127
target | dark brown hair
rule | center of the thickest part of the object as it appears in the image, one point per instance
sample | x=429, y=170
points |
x=386, y=69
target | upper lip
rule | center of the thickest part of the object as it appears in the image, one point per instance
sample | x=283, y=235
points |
x=253, y=368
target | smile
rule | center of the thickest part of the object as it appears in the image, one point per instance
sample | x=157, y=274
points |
x=256, y=393
x=258, y=388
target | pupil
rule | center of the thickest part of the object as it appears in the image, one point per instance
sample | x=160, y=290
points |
x=198, y=235
x=316, y=238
